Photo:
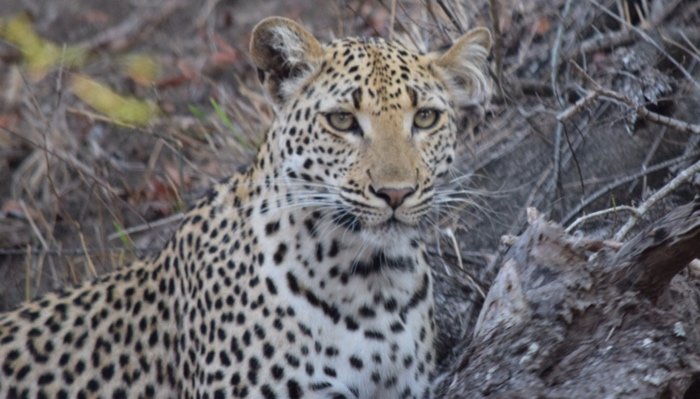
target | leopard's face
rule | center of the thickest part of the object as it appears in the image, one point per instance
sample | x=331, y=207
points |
x=375, y=128
x=365, y=128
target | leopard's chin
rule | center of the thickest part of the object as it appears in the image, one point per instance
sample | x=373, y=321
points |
x=391, y=232
x=394, y=224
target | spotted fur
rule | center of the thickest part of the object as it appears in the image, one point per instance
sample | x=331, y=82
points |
x=304, y=276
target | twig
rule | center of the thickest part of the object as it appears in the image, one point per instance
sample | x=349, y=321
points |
x=90, y=265
x=693, y=51
x=554, y=58
x=40, y=237
x=554, y=66
x=33, y=225
x=600, y=213
x=556, y=158
x=27, y=275
x=640, y=110
x=609, y=187
x=577, y=107
x=682, y=177
x=455, y=247
x=651, y=116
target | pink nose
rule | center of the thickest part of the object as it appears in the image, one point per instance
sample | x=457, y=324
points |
x=393, y=196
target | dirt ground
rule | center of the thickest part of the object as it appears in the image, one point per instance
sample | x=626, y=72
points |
x=86, y=191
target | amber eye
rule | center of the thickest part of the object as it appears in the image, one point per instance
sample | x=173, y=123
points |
x=425, y=118
x=343, y=121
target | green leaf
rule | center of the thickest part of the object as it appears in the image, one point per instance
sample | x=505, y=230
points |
x=197, y=112
x=221, y=113
x=121, y=109
x=123, y=235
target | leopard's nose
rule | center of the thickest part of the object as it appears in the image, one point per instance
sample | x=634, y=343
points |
x=393, y=196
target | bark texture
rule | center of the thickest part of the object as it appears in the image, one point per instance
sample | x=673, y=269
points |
x=576, y=317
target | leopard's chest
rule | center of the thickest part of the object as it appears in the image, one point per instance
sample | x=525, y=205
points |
x=358, y=339
x=381, y=356
x=295, y=316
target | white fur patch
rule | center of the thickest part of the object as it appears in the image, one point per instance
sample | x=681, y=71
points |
x=295, y=54
x=470, y=69
x=289, y=44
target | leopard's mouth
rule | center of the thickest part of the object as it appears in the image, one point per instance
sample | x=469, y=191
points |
x=356, y=223
x=356, y=216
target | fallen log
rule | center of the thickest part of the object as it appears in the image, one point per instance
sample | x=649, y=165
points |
x=572, y=317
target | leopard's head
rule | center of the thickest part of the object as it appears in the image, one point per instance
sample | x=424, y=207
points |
x=365, y=127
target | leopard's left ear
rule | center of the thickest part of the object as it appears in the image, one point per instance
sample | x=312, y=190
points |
x=463, y=66
x=285, y=54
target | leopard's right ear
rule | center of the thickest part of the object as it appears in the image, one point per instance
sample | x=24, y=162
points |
x=285, y=54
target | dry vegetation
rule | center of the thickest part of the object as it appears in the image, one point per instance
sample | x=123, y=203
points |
x=594, y=121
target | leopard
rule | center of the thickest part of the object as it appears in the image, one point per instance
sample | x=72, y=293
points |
x=303, y=276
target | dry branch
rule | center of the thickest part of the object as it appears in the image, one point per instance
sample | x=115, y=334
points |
x=601, y=212
x=620, y=99
x=651, y=116
x=625, y=179
x=681, y=178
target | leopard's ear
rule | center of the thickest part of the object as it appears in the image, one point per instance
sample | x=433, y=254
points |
x=285, y=54
x=463, y=67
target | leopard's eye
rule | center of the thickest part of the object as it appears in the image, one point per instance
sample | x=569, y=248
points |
x=425, y=118
x=342, y=121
